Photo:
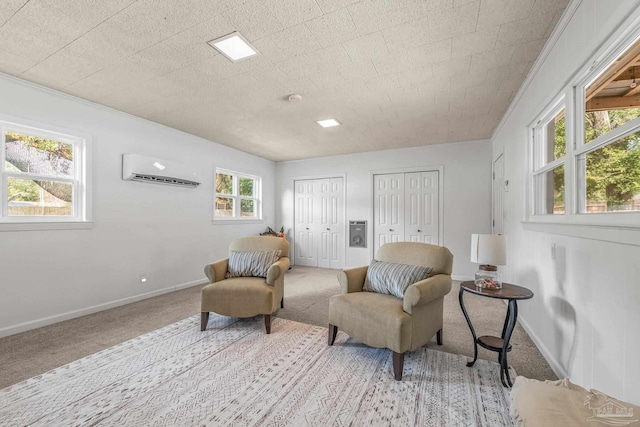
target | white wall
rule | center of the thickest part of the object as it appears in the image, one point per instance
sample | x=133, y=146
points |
x=467, y=191
x=584, y=315
x=164, y=231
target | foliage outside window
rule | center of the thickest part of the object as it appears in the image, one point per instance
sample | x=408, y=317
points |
x=237, y=196
x=609, y=162
x=41, y=175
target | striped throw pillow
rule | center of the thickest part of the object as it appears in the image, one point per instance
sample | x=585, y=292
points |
x=393, y=279
x=251, y=264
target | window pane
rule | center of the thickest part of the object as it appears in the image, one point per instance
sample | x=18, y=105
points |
x=224, y=183
x=549, y=190
x=246, y=187
x=598, y=123
x=224, y=206
x=38, y=156
x=613, y=176
x=611, y=100
x=555, y=138
x=247, y=208
x=39, y=198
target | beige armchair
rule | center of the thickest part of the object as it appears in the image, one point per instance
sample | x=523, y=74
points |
x=386, y=321
x=246, y=296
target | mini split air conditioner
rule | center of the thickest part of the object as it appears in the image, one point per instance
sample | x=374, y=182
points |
x=136, y=167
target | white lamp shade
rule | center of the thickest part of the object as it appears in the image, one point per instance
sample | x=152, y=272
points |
x=489, y=249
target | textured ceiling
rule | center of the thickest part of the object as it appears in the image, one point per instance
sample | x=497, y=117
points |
x=396, y=73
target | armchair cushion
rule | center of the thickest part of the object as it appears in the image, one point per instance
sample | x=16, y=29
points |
x=393, y=278
x=251, y=264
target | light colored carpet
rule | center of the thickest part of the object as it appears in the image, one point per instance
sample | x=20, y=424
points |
x=234, y=374
x=307, y=293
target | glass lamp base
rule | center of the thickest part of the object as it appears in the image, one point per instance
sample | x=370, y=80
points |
x=488, y=278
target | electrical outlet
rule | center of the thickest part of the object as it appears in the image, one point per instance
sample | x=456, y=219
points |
x=143, y=277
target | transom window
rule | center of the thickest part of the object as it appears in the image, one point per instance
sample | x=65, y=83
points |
x=42, y=175
x=238, y=195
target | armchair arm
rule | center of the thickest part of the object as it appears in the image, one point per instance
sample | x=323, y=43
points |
x=426, y=291
x=277, y=269
x=216, y=271
x=352, y=280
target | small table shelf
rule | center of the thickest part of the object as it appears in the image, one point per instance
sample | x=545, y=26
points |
x=501, y=345
x=492, y=343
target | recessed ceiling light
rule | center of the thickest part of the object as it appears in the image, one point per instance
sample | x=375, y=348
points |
x=234, y=46
x=328, y=123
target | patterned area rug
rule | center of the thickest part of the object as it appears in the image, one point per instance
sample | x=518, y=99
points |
x=234, y=374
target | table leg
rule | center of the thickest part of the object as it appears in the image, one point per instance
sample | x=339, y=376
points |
x=512, y=316
x=473, y=333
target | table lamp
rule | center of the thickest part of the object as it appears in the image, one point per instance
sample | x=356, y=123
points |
x=488, y=250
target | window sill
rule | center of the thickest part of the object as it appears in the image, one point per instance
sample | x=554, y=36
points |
x=41, y=226
x=616, y=233
x=237, y=221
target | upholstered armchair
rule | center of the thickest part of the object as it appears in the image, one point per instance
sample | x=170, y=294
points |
x=248, y=283
x=388, y=321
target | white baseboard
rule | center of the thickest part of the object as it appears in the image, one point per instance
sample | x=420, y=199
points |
x=38, y=323
x=555, y=366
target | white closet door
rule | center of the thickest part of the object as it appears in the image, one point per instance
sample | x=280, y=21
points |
x=319, y=226
x=413, y=207
x=388, y=208
x=498, y=195
x=429, y=212
x=406, y=208
x=331, y=223
x=306, y=225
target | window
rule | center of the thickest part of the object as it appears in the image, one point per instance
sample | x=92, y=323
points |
x=549, y=157
x=238, y=196
x=585, y=147
x=608, y=152
x=43, y=175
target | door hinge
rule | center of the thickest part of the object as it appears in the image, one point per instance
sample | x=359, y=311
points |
x=494, y=175
x=494, y=222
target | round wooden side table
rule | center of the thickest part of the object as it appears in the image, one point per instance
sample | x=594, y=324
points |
x=509, y=292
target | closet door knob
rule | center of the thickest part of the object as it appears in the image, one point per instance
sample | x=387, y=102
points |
x=391, y=229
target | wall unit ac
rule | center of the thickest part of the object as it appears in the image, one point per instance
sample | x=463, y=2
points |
x=136, y=167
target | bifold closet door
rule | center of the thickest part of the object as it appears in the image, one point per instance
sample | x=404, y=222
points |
x=319, y=225
x=421, y=207
x=331, y=223
x=406, y=208
x=388, y=205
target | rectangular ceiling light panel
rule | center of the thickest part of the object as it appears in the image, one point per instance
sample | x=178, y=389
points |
x=234, y=46
x=328, y=123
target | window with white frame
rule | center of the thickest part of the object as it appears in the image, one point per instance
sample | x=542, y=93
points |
x=238, y=196
x=549, y=158
x=607, y=149
x=43, y=175
x=586, y=145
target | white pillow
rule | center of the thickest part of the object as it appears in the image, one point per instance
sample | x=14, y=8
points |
x=251, y=264
x=393, y=279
